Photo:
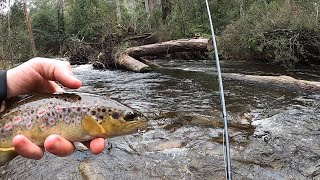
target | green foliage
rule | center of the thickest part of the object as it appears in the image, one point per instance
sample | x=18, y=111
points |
x=45, y=27
x=281, y=31
x=135, y=16
x=14, y=40
x=274, y=31
x=90, y=20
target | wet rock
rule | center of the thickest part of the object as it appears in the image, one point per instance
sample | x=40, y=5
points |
x=169, y=145
x=89, y=171
x=287, y=142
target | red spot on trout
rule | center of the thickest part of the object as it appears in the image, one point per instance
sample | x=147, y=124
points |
x=41, y=112
x=7, y=127
x=17, y=120
x=43, y=127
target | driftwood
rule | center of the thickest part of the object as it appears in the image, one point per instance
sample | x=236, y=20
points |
x=149, y=63
x=180, y=45
x=131, y=64
x=131, y=59
x=285, y=82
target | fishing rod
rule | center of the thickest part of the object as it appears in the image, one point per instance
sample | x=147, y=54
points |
x=223, y=104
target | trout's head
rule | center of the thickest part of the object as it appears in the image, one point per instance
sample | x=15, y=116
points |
x=112, y=120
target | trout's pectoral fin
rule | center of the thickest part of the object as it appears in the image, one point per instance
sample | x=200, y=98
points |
x=92, y=127
x=6, y=155
x=7, y=149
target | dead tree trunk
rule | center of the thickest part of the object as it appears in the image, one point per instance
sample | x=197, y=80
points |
x=166, y=10
x=61, y=25
x=168, y=47
x=284, y=82
x=9, y=32
x=131, y=64
x=118, y=10
x=33, y=44
x=127, y=59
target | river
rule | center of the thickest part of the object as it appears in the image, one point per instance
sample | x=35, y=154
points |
x=274, y=133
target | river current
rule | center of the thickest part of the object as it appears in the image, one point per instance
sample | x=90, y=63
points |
x=275, y=133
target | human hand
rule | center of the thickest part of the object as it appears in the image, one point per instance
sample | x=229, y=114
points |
x=37, y=76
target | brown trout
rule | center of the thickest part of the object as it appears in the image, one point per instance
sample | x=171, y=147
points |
x=77, y=117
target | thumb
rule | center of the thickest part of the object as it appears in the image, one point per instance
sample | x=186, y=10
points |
x=56, y=70
x=65, y=76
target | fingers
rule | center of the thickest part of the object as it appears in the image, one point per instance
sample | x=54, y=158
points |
x=58, y=146
x=96, y=145
x=54, y=144
x=56, y=70
x=54, y=87
x=26, y=148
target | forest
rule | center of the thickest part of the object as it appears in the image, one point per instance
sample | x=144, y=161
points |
x=283, y=32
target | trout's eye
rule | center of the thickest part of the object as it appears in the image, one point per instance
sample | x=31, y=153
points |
x=130, y=116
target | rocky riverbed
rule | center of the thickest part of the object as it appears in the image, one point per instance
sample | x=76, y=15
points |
x=274, y=134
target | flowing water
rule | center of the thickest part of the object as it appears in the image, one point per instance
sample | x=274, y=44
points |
x=274, y=133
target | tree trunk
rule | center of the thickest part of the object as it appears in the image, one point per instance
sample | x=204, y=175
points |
x=9, y=32
x=181, y=45
x=2, y=39
x=166, y=9
x=61, y=27
x=118, y=10
x=151, y=4
x=131, y=64
x=146, y=5
x=283, y=82
x=33, y=44
x=126, y=59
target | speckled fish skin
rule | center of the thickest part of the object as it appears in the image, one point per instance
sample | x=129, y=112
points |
x=75, y=116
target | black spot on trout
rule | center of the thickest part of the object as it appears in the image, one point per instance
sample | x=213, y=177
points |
x=115, y=115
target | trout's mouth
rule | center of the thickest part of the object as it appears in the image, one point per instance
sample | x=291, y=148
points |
x=135, y=126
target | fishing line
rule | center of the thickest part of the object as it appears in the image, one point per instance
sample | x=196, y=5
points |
x=223, y=104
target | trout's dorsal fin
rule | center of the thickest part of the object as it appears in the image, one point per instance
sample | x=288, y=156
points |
x=92, y=127
x=16, y=99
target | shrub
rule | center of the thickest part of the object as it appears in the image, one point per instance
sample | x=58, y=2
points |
x=281, y=32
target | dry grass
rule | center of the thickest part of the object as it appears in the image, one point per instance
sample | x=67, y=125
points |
x=4, y=64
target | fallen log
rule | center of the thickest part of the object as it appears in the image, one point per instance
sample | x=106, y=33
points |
x=285, y=82
x=130, y=58
x=149, y=63
x=180, y=45
x=129, y=63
